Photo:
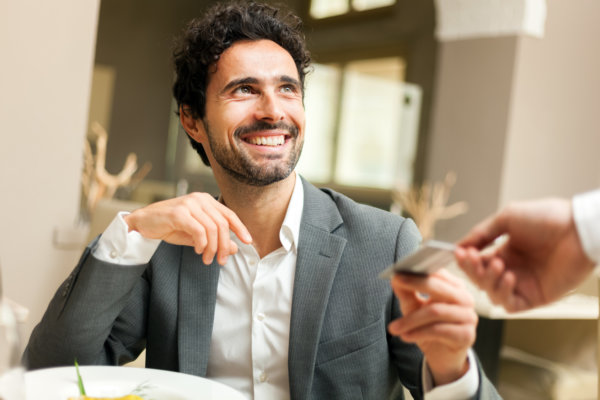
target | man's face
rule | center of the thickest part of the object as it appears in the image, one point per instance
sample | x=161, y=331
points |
x=254, y=121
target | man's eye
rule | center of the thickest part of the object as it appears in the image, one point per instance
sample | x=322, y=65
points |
x=244, y=90
x=288, y=89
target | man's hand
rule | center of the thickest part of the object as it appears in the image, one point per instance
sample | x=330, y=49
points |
x=541, y=260
x=196, y=220
x=438, y=316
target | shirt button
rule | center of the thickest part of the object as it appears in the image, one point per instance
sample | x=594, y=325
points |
x=260, y=316
x=252, y=263
x=263, y=377
x=113, y=254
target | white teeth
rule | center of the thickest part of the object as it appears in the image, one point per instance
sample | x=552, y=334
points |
x=267, y=140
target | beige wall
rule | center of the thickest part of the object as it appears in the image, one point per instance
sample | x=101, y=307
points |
x=517, y=117
x=554, y=130
x=470, y=119
x=47, y=51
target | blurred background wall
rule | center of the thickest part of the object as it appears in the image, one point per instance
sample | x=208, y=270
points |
x=47, y=51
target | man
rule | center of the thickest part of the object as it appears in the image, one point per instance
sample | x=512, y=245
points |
x=273, y=287
x=552, y=246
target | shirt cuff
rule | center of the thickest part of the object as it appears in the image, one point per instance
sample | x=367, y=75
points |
x=586, y=213
x=463, y=388
x=118, y=245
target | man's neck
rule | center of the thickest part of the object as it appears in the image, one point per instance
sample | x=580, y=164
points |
x=262, y=209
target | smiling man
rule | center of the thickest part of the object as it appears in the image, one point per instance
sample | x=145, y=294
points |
x=273, y=287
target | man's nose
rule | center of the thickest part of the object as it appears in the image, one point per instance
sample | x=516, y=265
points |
x=269, y=108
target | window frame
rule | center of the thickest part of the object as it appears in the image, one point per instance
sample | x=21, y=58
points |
x=350, y=16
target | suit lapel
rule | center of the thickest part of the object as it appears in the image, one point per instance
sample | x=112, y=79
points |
x=197, y=299
x=319, y=253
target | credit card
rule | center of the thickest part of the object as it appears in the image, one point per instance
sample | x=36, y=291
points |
x=429, y=257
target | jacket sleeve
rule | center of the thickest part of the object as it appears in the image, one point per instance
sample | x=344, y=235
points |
x=407, y=357
x=97, y=316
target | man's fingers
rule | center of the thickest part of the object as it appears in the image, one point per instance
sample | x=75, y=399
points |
x=209, y=214
x=184, y=228
x=233, y=248
x=489, y=273
x=224, y=241
x=196, y=220
x=508, y=296
x=453, y=336
x=505, y=292
x=484, y=233
x=223, y=218
x=492, y=275
x=466, y=262
x=440, y=287
x=471, y=262
x=433, y=314
x=477, y=267
x=409, y=301
x=205, y=232
x=198, y=234
x=235, y=224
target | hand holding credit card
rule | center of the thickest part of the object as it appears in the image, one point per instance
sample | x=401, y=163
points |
x=429, y=257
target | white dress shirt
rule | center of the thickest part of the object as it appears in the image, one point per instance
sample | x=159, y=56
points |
x=250, y=338
x=251, y=331
x=586, y=213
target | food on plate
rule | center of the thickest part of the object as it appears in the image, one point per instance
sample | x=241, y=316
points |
x=83, y=396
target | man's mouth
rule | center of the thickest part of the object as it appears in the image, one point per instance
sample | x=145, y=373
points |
x=277, y=140
x=264, y=134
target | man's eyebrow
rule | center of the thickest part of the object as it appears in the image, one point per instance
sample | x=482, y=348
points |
x=289, y=79
x=237, y=82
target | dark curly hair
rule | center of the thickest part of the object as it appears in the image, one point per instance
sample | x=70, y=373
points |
x=205, y=39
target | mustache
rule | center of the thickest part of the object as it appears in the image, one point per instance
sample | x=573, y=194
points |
x=266, y=126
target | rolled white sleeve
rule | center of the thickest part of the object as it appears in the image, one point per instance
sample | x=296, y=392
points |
x=119, y=246
x=463, y=388
x=586, y=213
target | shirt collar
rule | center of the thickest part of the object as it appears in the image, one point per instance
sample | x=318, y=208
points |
x=290, y=229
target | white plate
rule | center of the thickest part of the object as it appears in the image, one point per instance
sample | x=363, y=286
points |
x=61, y=383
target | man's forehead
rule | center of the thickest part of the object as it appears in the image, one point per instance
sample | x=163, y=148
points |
x=259, y=59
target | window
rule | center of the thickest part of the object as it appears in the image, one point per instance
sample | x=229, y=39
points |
x=362, y=124
x=328, y=8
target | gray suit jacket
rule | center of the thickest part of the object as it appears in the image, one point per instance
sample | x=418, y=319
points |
x=339, y=347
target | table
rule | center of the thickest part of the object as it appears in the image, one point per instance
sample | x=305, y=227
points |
x=492, y=320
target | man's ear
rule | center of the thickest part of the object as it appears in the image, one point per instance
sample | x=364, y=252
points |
x=193, y=126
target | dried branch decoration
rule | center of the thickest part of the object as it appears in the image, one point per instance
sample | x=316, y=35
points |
x=96, y=182
x=426, y=205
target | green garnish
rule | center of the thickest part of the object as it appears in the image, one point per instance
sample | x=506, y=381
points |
x=138, y=391
x=79, y=380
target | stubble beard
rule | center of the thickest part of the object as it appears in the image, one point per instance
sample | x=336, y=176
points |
x=240, y=165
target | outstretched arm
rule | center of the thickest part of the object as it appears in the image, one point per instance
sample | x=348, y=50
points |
x=541, y=259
